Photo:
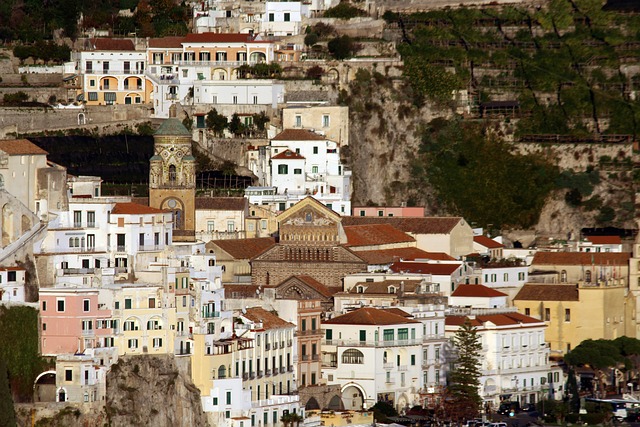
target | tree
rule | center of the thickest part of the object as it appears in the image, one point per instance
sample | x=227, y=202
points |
x=216, y=122
x=600, y=355
x=7, y=410
x=260, y=121
x=382, y=411
x=573, y=392
x=315, y=72
x=236, y=126
x=464, y=378
x=341, y=47
x=311, y=39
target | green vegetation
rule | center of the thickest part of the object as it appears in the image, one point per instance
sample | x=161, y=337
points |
x=260, y=71
x=564, y=65
x=342, y=47
x=19, y=351
x=477, y=175
x=16, y=98
x=47, y=51
x=7, y=411
x=344, y=11
x=464, y=378
x=216, y=122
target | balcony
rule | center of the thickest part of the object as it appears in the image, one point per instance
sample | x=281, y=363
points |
x=267, y=346
x=275, y=345
x=388, y=366
x=252, y=375
x=260, y=373
x=315, y=357
x=150, y=248
x=79, y=271
x=390, y=381
x=330, y=364
x=245, y=376
x=214, y=63
x=206, y=314
x=305, y=357
x=267, y=372
x=289, y=343
x=120, y=248
x=282, y=369
x=358, y=343
x=309, y=332
x=172, y=96
x=402, y=368
x=290, y=368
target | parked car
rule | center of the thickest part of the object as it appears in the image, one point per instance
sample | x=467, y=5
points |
x=509, y=408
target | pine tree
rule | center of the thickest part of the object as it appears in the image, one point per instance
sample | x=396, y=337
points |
x=464, y=378
x=7, y=412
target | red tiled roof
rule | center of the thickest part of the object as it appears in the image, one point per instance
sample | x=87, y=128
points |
x=581, y=258
x=233, y=291
x=498, y=319
x=476, y=291
x=369, y=316
x=424, y=268
x=604, y=240
x=288, y=155
x=548, y=292
x=387, y=256
x=375, y=234
x=113, y=44
x=244, y=248
x=222, y=203
x=134, y=209
x=166, y=42
x=15, y=147
x=298, y=135
x=414, y=225
x=487, y=242
x=12, y=269
x=219, y=38
x=268, y=319
x=398, y=311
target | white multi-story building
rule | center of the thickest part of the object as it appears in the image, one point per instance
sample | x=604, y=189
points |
x=281, y=18
x=12, y=281
x=515, y=356
x=112, y=72
x=296, y=164
x=374, y=355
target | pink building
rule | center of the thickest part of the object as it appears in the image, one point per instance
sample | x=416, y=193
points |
x=72, y=321
x=401, y=211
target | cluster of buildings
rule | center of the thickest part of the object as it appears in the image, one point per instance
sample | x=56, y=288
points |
x=287, y=306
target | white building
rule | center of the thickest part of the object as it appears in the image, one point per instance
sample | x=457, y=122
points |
x=299, y=163
x=514, y=356
x=374, y=355
x=12, y=281
x=238, y=92
x=600, y=244
x=281, y=19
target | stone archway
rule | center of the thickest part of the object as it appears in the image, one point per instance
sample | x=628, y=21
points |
x=25, y=223
x=8, y=231
x=44, y=387
x=353, y=397
x=335, y=404
x=312, y=404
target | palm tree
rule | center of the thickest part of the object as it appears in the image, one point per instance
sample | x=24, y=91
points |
x=285, y=419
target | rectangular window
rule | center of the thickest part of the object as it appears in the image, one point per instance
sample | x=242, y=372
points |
x=388, y=335
x=297, y=171
x=287, y=17
x=271, y=19
x=315, y=150
x=68, y=375
x=527, y=312
x=228, y=398
x=132, y=343
x=85, y=305
x=325, y=121
x=547, y=314
x=314, y=169
x=44, y=306
x=127, y=303
x=60, y=303
x=298, y=121
x=77, y=219
x=403, y=334
x=91, y=219
x=567, y=315
x=283, y=169
x=93, y=96
x=413, y=360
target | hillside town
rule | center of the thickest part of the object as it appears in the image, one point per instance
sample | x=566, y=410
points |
x=290, y=302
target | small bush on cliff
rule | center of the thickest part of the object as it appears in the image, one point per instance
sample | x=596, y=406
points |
x=344, y=11
x=342, y=47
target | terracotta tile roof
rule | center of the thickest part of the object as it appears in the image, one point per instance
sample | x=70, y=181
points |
x=369, y=316
x=487, y=242
x=476, y=291
x=548, y=292
x=222, y=203
x=581, y=258
x=398, y=311
x=382, y=287
x=220, y=38
x=288, y=155
x=414, y=225
x=134, y=209
x=298, y=135
x=387, y=256
x=244, y=248
x=14, y=147
x=604, y=240
x=113, y=44
x=325, y=291
x=268, y=319
x=166, y=42
x=424, y=268
x=498, y=319
x=375, y=234
x=12, y=269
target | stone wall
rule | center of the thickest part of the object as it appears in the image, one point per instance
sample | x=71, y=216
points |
x=34, y=120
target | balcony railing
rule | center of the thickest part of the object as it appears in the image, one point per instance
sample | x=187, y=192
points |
x=245, y=376
x=290, y=368
x=210, y=314
x=358, y=343
x=282, y=369
x=267, y=372
x=388, y=366
x=305, y=357
x=289, y=343
x=309, y=332
x=150, y=248
x=70, y=271
x=260, y=373
x=390, y=381
x=120, y=248
x=267, y=346
x=315, y=357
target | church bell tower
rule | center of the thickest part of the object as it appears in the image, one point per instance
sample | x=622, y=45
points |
x=172, y=177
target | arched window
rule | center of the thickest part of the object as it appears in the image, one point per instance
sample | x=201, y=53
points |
x=222, y=372
x=587, y=276
x=172, y=173
x=360, y=289
x=353, y=356
x=70, y=242
x=563, y=276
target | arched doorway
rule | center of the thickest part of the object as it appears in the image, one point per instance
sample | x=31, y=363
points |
x=335, y=404
x=352, y=397
x=62, y=395
x=312, y=404
x=258, y=57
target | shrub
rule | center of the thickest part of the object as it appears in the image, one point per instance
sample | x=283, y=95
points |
x=311, y=39
x=315, y=72
x=15, y=98
x=341, y=47
x=344, y=11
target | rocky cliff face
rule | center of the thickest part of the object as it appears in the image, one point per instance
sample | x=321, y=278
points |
x=151, y=391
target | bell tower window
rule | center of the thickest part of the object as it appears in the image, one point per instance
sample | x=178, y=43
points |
x=172, y=174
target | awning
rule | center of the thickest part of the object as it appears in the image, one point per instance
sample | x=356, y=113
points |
x=109, y=96
x=80, y=97
x=68, y=78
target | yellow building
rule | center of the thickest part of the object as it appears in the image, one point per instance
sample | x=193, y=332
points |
x=576, y=312
x=146, y=320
